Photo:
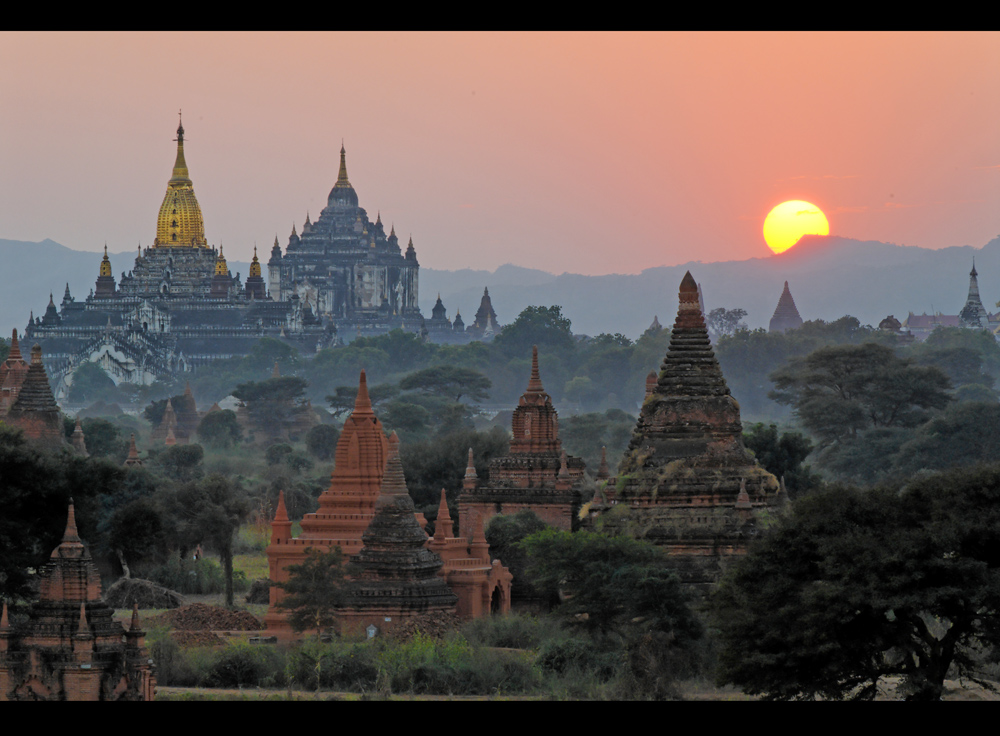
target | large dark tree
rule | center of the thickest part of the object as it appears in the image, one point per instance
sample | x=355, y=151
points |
x=545, y=327
x=273, y=405
x=853, y=586
x=314, y=590
x=449, y=382
x=841, y=390
x=211, y=511
x=610, y=585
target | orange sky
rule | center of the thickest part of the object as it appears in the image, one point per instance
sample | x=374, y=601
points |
x=584, y=152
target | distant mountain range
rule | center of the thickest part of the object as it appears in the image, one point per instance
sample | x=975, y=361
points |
x=828, y=277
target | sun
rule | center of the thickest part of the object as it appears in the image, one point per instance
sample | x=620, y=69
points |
x=789, y=221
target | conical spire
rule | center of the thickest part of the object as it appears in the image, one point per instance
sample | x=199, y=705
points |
x=393, y=480
x=134, y=625
x=690, y=367
x=342, y=181
x=281, y=527
x=470, y=469
x=180, y=174
x=363, y=404
x=15, y=348
x=535, y=382
x=275, y=373
x=786, y=315
x=71, y=545
x=133, y=453
x=443, y=526
x=602, y=471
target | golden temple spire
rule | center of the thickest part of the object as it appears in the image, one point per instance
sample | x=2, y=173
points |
x=221, y=269
x=255, y=264
x=180, y=165
x=105, y=263
x=180, y=223
x=342, y=181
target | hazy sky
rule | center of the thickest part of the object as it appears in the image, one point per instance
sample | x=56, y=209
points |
x=584, y=152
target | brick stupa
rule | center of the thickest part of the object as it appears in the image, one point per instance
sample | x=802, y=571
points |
x=679, y=484
x=786, y=316
x=12, y=373
x=35, y=410
x=536, y=474
x=71, y=648
x=395, y=576
x=345, y=508
x=348, y=507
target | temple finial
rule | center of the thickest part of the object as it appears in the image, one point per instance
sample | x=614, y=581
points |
x=535, y=383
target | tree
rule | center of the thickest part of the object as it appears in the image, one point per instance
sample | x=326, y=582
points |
x=840, y=390
x=212, y=511
x=505, y=532
x=321, y=441
x=314, y=590
x=610, y=585
x=853, y=586
x=725, y=322
x=545, y=327
x=449, y=382
x=782, y=456
x=273, y=405
x=91, y=383
x=343, y=398
x=220, y=429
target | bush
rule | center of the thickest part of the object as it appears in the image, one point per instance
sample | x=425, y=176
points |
x=244, y=664
x=196, y=577
x=515, y=631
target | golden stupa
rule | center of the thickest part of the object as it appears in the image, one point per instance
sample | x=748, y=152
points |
x=180, y=223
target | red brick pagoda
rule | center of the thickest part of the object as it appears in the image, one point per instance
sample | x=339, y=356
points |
x=536, y=474
x=71, y=648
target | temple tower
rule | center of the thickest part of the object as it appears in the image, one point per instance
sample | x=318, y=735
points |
x=974, y=314
x=35, y=410
x=71, y=648
x=180, y=222
x=679, y=484
x=395, y=575
x=786, y=316
x=536, y=473
x=345, y=508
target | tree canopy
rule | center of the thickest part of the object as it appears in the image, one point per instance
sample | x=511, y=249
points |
x=840, y=390
x=853, y=586
x=314, y=590
x=449, y=382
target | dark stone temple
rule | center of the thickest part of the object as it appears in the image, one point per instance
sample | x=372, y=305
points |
x=973, y=313
x=395, y=576
x=347, y=269
x=536, y=474
x=177, y=309
x=786, y=316
x=70, y=648
x=686, y=482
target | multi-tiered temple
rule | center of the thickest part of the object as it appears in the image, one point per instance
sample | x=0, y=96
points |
x=347, y=268
x=536, y=474
x=347, y=510
x=71, y=648
x=177, y=309
x=686, y=482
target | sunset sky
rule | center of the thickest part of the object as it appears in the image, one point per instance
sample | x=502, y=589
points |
x=584, y=152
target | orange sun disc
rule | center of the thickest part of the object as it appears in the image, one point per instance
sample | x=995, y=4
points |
x=789, y=221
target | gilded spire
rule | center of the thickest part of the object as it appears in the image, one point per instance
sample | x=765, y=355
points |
x=180, y=165
x=342, y=182
x=105, y=263
x=180, y=223
x=255, y=264
x=221, y=269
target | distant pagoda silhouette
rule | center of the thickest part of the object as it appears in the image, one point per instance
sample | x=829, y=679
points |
x=786, y=316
